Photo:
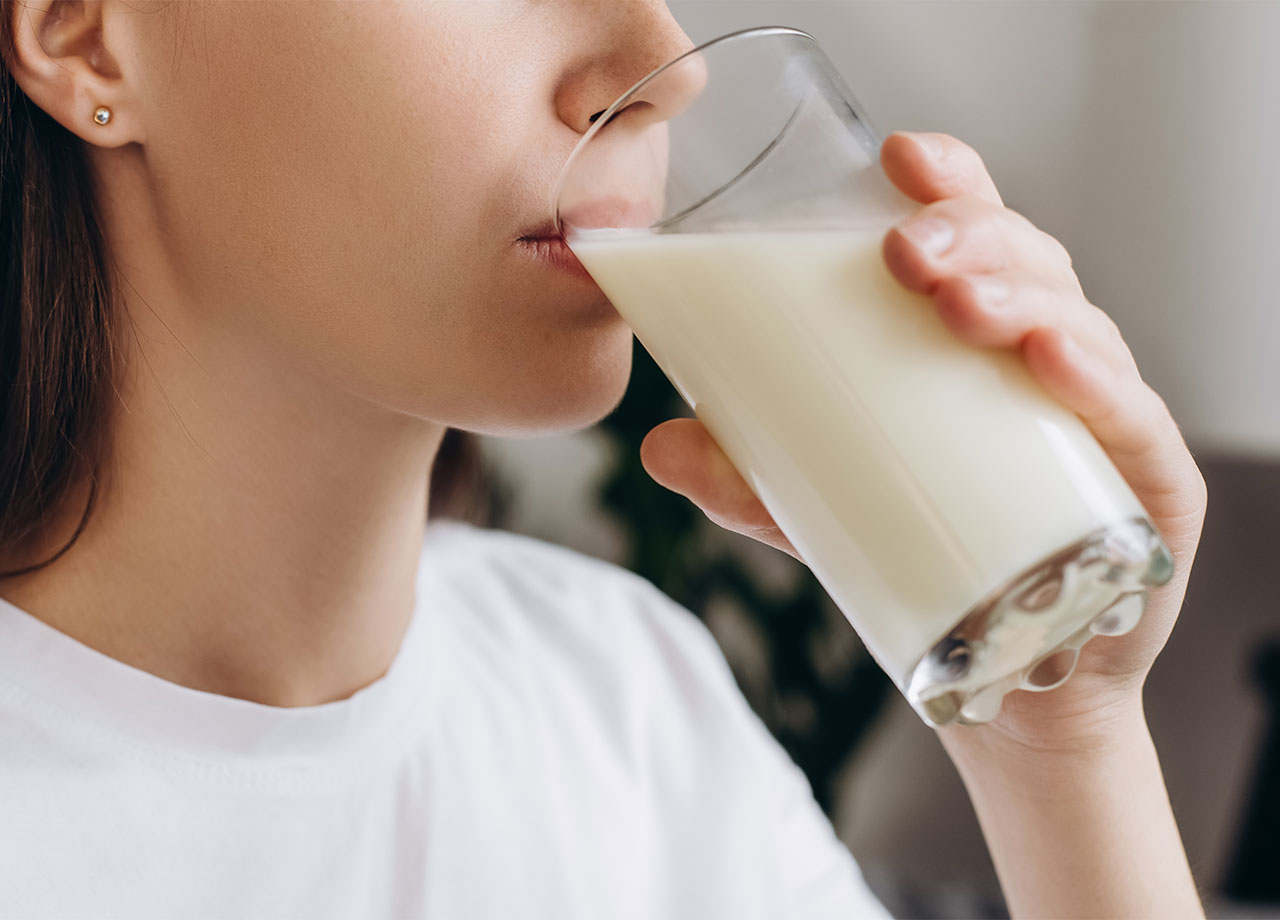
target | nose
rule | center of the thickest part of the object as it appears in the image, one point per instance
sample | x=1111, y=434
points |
x=631, y=39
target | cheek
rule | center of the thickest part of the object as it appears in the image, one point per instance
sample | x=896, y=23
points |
x=322, y=168
x=337, y=217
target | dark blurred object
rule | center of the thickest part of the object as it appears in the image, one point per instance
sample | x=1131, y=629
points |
x=1254, y=875
x=937, y=900
x=1210, y=723
x=819, y=714
x=461, y=486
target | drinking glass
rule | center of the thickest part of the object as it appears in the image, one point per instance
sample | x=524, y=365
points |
x=972, y=530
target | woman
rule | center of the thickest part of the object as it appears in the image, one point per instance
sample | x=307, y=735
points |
x=259, y=256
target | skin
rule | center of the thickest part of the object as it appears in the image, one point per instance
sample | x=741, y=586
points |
x=313, y=209
x=307, y=311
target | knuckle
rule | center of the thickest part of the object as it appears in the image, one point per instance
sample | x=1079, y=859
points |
x=1113, y=333
x=962, y=310
x=1107, y=406
x=1054, y=246
x=1152, y=406
x=976, y=218
x=1153, y=399
x=1045, y=248
x=1105, y=323
x=1163, y=408
x=968, y=160
x=1199, y=486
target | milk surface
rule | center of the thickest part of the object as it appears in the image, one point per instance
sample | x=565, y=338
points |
x=915, y=474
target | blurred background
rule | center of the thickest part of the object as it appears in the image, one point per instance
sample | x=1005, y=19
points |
x=1141, y=134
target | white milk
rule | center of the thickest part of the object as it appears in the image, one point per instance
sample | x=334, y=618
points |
x=915, y=474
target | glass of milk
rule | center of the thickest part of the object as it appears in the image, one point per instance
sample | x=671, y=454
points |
x=972, y=530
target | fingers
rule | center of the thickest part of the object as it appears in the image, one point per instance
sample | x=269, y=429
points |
x=928, y=167
x=998, y=281
x=682, y=456
x=1130, y=421
x=999, y=311
x=969, y=236
x=1078, y=355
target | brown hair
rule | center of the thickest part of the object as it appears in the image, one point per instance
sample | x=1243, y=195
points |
x=57, y=353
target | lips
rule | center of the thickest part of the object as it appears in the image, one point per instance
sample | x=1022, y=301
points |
x=544, y=231
x=554, y=252
x=549, y=247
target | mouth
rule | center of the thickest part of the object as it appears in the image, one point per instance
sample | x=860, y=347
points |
x=552, y=251
x=548, y=246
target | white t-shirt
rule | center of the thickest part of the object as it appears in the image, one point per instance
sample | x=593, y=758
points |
x=555, y=739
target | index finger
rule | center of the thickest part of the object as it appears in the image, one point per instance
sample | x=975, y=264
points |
x=928, y=166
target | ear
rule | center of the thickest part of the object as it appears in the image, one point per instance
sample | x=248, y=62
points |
x=64, y=62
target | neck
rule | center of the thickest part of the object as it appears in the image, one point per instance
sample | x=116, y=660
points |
x=254, y=537
x=242, y=546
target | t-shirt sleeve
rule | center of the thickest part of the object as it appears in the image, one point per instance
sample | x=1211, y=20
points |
x=817, y=876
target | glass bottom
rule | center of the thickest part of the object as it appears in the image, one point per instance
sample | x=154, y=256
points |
x=1028, y=633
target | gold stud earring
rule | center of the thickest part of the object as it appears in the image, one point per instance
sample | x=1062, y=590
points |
x=102, y=115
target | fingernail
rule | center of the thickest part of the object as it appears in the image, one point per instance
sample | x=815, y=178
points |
x=927, y=143
x=991, y=291
x=931, y=235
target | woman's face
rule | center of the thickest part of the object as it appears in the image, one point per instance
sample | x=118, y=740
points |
x=344, y=182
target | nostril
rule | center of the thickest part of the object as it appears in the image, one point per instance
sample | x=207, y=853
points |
x=593, y=118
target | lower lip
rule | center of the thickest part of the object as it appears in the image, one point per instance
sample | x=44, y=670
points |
x=555, y=252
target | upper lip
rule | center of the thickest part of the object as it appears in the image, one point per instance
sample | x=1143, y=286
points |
x=609, y=211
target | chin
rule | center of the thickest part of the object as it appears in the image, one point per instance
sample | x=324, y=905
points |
x=569, y=391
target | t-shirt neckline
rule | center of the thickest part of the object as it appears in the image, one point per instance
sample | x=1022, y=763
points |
x=67, y=680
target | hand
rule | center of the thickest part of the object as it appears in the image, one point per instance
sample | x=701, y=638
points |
x=999, y=282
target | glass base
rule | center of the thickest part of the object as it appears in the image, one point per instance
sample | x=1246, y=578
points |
x=1027, y=634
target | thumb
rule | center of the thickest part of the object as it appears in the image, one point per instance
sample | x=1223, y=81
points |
x=682, y=456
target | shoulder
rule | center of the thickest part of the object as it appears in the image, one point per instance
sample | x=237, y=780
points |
x=526, y=563
x=534, y=562
x=628, y=677
x=598, y=658
x=570, y=632
x=605, y=651
x=530, y=587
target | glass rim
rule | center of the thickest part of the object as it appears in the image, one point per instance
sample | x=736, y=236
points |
x=607, y=114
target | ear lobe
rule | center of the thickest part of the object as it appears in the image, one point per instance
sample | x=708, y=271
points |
x=63, y=65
